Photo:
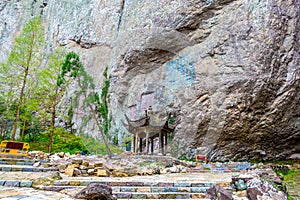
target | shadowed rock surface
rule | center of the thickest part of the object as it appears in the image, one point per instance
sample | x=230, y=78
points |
x=228, y=69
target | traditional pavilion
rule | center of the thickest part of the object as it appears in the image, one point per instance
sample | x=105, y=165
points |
x=148, y=128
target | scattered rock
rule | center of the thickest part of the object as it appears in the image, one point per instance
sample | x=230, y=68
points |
x=69, y=170
x=36, y=164
x=96, y=191
x=219, y=193
x=241, y=185
x=295, y=156
x=77, y=161
x=258, y=188
x=61, y=154
x=101, y=173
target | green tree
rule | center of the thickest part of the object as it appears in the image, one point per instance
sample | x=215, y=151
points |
x=23, y=64
x=92, y=101
x=51, y=92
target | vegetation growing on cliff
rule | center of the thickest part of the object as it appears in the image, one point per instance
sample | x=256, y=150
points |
x=33, y=86
x=19, y=74
x=93, y=103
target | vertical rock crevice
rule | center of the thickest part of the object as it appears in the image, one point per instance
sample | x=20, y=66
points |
x=121, y=14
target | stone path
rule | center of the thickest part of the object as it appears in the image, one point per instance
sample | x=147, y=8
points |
x=25, y=180
x=138, y=187
x=13, y=193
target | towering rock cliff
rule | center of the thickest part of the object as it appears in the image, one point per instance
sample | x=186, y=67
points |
x=227, y=69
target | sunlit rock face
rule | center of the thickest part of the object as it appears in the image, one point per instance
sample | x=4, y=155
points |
x=227, y=69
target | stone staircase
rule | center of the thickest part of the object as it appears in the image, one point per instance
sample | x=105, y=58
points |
x=24, y=165
x=140, y=190
x=192, y=185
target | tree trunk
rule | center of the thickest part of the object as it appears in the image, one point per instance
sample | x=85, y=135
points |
x=23, y=130
x=99, y=126
x=2, y=127
x=101, y=132
x=20, y=104
x=53, y=116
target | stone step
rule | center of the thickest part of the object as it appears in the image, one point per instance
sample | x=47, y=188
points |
x=169, y=199
x=161, y=195
x=19, y=161
x=25, y=168
x=16, y=183
x=210, y=171
x=160, y=189
x=77, y=182
x=220, y=167
x=177, y=187
x=133, y=195
x=126, y=192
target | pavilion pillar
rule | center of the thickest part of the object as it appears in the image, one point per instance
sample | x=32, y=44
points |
x=135, y=143
x=141, y=145
x=147, y=143
x=160, y=142
x=166, y=142
x=152, y=145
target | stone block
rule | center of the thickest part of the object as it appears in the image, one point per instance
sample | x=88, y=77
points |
x=197, y=196
x=16, y=169
x=166, y=184
x=61, y=183
x=138, y=196
x=158, y=189
x=184, y=189
x=77, y=172
x=98, y=164
x=26, y=183
x=91, y=166
x=101, y=173
x=153, y=196
x=83, y=167
x=143, y=189
x=74, y=183
x=83, y=183
x=9, y=162
x=122, y=195
x=91, y=171
x=62, y=168
x=134, y=183
x=116, y=183
x=116, y=189
x=182, y=184
x=12, y=183
x=128, y=189
x=27, y=169
x=38, y=169
x=85, y=163
x=174, y=196
x=6, y=168
x=69, y=171
x=46, y=165
x=76, y=165
x=171, y=189
x=20, y=163
x=77, y=161
x=199, y=189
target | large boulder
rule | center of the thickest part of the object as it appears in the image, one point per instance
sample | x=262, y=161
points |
x=258, y=188
x=96, y=192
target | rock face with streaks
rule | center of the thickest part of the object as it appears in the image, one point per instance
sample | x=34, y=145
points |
x=228, y=70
